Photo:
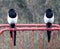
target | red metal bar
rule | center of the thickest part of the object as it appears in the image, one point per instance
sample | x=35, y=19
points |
x=19, y=40
x=42, y=40
x=28, y=40
x=10, y=42
x=32, y=39
x=29, y=29
x=52, y=40
x=57, y=40
x=9, y=45
x=48, y=45
x=13, y=38
x=38, y=39
x=34, y=28
x=22, y=39
x=3, y=41
x=28, y=25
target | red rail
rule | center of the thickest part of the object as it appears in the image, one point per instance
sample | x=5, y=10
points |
x=21, y=28
x=28, y=25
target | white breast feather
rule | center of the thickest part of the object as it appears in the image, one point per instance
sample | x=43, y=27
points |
x=51, y=20
x=12, y=20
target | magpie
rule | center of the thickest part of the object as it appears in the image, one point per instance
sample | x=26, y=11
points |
x=12, y=17
x=49, y=19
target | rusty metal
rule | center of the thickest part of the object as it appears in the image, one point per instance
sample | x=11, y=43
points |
x=42, y=40
x=52, y=40
x=38, y=39
x=30, y=27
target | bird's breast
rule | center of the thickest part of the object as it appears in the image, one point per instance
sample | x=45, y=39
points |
x=12, y=20
x=46, y=20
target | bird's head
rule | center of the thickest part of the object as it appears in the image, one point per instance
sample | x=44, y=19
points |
x=12, y=13
x=49, y=13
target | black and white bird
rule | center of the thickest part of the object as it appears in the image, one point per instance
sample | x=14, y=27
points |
x=12, y=17
x=49, y=19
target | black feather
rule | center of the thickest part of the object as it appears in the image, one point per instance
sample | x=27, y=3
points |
x=11, y=33
x=12, y=13
x=49, y=13
x=48, y=31
x=49, y=35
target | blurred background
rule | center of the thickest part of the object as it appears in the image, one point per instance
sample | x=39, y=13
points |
x=30, y=11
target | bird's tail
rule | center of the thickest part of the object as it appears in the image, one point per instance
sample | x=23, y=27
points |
x=49, y=35
x=48, y=31
x=11, y=33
